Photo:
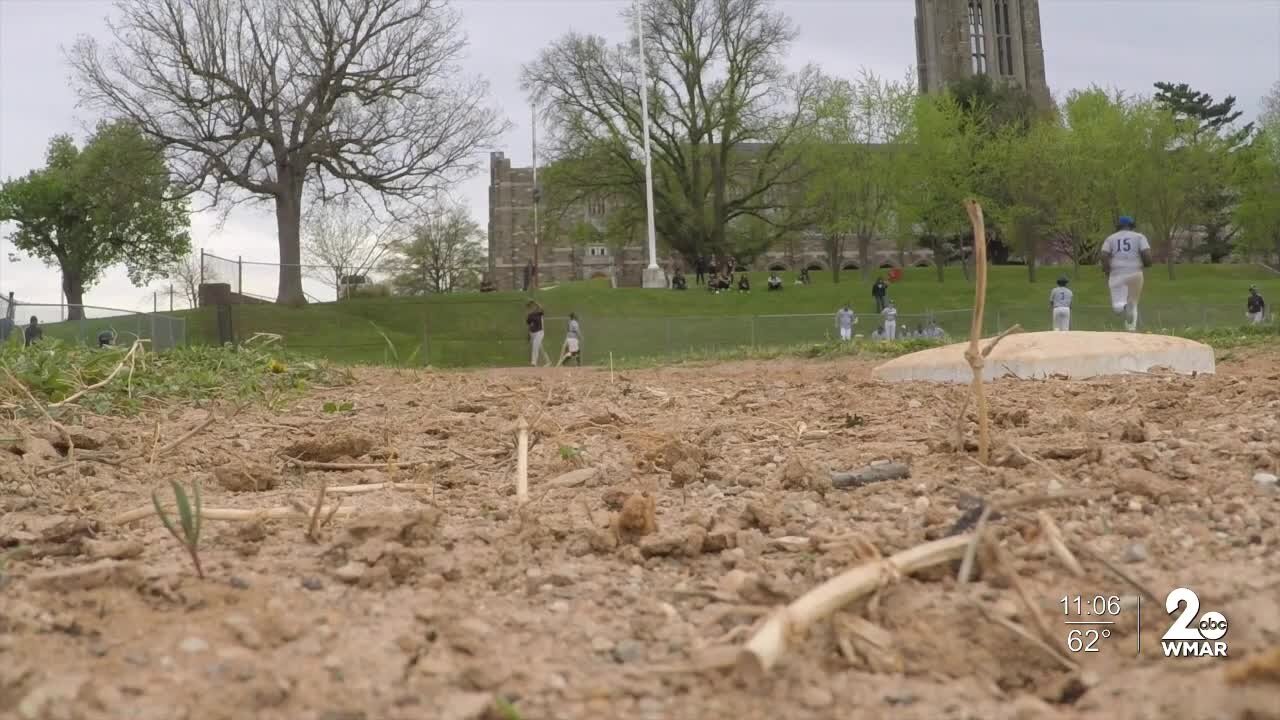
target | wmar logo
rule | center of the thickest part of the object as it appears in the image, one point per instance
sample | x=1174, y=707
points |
x=1189, y=637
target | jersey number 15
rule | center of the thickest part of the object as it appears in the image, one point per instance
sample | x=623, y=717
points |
x=1123, y=245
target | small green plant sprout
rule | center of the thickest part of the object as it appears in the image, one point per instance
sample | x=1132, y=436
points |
x=339, y=407
x=188, y=518
x=572, y=456
x=506, y=710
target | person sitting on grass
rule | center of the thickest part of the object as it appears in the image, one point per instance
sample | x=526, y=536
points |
x=744, y=283
x=678, y=282
x=804, y=277
x=775, y=282
x=33, y=331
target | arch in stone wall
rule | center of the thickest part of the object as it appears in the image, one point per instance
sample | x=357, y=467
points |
x=777, y=267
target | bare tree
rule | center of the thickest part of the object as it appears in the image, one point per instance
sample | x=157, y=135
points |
x=263, y=98
x=443, y=254
x=340, y=240
x=185, y=275
x=723, y=115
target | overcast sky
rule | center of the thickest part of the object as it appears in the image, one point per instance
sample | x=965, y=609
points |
x=1224, y=47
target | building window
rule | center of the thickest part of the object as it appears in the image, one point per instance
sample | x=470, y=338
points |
x=977, y=38
x=598, y=251
x=1004, y=38
x=595, y=207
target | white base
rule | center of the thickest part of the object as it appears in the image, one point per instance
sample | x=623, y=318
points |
x=654, y=278
x=1070, y=354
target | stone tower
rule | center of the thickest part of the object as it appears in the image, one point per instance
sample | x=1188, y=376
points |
x=999, y=38
x=510, y=222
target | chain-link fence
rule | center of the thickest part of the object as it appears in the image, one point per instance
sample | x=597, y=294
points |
x=260, y=281
x=476, y=330
x=123, y=326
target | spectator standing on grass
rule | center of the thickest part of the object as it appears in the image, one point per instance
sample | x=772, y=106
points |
x=845, y=320
x=1256, y=305
x=33, y=331
x=1060, y=305
x=534, y=322
x=890, y=315
x=1125, y=253
x=700, y=270
x=804, y=277
x=879, y=291
x=572, y=342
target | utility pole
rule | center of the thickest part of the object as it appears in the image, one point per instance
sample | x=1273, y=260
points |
x=536, y=195
x=654, y=277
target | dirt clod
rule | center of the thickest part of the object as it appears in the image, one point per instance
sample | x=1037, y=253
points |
x=246, y=477
x=330, y=448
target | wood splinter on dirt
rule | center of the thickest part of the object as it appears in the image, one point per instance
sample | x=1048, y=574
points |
x=869, y=475
x=522, y=460
x=235, y=514
x=1053, y=536
x=769, y=643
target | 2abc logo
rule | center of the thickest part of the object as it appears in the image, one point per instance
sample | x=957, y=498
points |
x=1192, y=634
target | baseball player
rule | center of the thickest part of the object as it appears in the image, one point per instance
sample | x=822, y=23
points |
x=1060, y=305
x=845, y=320
x=1124, y=255
x=1256, y=306
x=890, y=315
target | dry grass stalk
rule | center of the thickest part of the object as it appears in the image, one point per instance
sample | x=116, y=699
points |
x=971, y=551
x=126, y=360
x=522, y=461
x=1053, y=536
x=315, y=513
x=1082, y=549
x=237, y=515
x=1024, y=634
x=374, y=487
x=769, y=643
x=317, y=465
x=973, y=354
x=1011, y=573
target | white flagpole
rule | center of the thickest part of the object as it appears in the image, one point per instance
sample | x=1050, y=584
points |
x=648, y=158
x=533, y=118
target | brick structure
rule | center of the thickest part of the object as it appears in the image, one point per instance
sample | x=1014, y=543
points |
x=511, y=243
x=956, y=39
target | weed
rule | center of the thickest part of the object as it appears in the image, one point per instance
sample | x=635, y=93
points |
x=53, y=370
x=188, y=517
x=345, y=406
x=505, y=709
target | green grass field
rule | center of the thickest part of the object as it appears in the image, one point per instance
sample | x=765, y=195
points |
x=478, y=330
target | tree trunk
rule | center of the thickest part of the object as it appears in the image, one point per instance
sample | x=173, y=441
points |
x=939, y=260
x=864, y=256
x=1170, y=252
x=73, y=291
x=289, y=229
x=835, y=251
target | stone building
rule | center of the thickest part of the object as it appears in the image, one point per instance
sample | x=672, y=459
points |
x=512, y=248
x=956, y=39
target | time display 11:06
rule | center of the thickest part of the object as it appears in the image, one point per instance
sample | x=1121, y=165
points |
x=1096, y=605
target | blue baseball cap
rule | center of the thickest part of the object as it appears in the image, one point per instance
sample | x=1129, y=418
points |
x=1126, y=220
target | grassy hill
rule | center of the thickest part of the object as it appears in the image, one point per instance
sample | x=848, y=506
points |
x=474, y=329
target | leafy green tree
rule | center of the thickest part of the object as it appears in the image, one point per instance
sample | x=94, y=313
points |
x=941, y=168
x=91, y=208
x=1032, y=168
x=724, y=115
x=442, y=255
x=853, y=156
x=1257, y=179
x=1166, y=166
x=1207, y=120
